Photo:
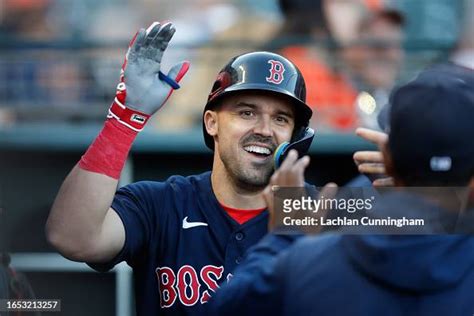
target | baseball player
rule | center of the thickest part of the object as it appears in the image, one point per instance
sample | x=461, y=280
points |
x=184, y=236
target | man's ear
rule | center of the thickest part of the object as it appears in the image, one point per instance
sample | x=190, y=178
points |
x=210, y=121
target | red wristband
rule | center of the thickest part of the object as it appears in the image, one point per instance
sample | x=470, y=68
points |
x=109, y=151
x=132, y=119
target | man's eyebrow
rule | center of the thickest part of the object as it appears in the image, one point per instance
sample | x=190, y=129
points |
x=242, y=104
x=286, y=113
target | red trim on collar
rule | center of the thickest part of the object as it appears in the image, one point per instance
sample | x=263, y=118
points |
x=242, y=216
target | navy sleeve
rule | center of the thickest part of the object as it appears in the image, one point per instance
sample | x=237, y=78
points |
x=136, y=207
x=255, y=288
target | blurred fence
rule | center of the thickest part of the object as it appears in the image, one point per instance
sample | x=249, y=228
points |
x=75, y=81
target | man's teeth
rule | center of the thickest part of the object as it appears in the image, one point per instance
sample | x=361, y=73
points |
x=258, y=150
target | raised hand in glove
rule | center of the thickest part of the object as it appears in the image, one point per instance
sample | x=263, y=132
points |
x=143, y=88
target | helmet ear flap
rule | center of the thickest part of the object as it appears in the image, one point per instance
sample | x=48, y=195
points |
x=217, y=85
x=223, y=80
x=301, y=142
x=216, y=88
x=298, y=133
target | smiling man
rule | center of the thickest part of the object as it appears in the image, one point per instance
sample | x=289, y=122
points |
x=247, y=127
x=183, y=236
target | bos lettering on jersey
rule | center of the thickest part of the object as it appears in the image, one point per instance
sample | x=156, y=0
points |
x=188, y=285
x=162, y=220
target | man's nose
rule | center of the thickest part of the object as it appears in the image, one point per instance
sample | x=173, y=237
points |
x=264, y=126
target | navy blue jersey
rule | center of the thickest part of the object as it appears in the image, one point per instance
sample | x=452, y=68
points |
x=180, y=243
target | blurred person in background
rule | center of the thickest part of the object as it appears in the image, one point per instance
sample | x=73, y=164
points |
x=373, y=62
x=26, y=19
x=351, y=53
x=463, y=54
x=14, y=285
x=310, y=36
x=48, y=79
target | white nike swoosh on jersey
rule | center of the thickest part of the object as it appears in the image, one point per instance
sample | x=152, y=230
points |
x=187, y=224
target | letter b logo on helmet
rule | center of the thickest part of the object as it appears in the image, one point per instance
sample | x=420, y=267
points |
x=276, y=72
x=261, y=71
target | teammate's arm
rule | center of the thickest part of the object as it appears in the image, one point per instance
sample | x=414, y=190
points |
x=82, y=225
